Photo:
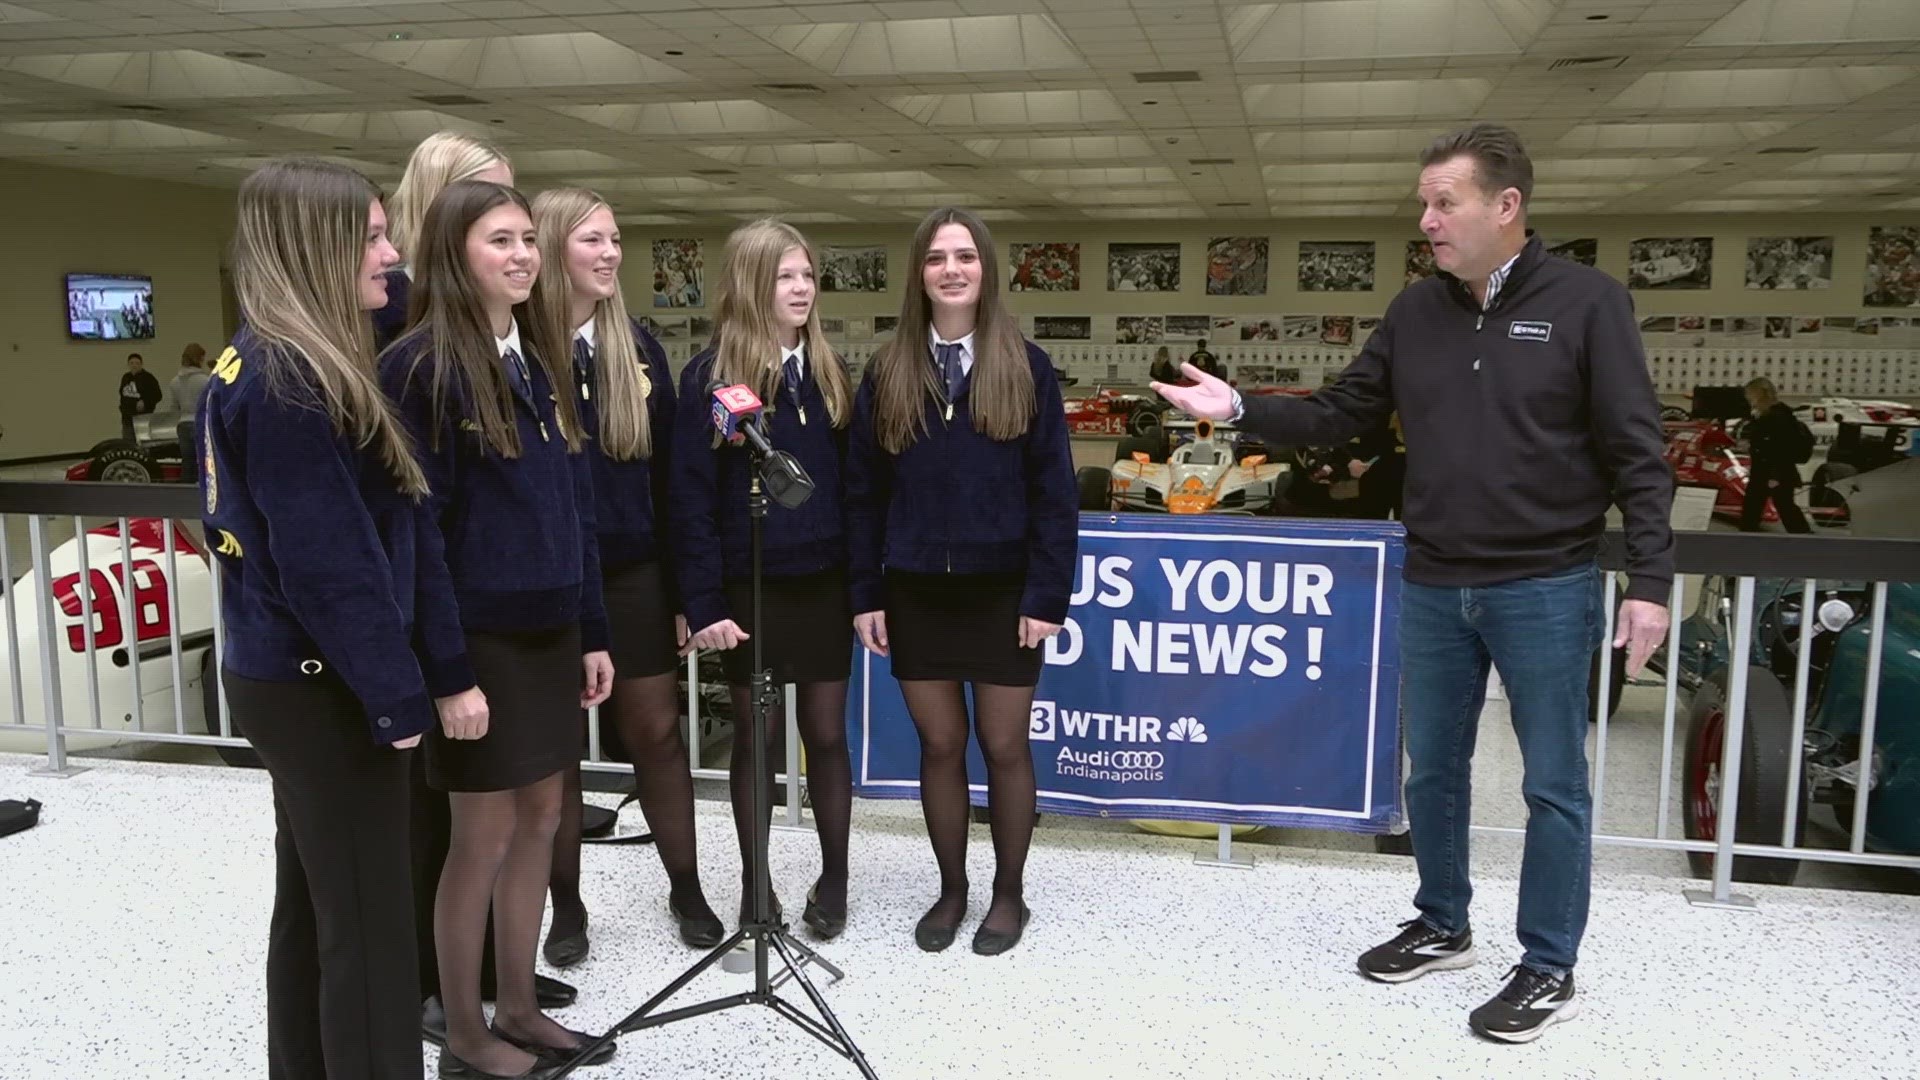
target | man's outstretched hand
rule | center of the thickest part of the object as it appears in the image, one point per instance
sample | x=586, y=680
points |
x=1208, y=397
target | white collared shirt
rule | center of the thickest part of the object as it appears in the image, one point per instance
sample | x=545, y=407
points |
x=934, y=341
x=511, y=341
x=585, y=333
x=787, y=354
x=1498, y=280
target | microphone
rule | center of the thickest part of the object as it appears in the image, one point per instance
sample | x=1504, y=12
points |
x=736, y=417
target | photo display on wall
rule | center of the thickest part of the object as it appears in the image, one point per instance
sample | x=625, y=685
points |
x=884, y=325
x=1139, y=329
x=1300, y=328
x=1043, y=267
x=1143, y=267
x=1188, y=327
x=1063, y=327
x=1336, y=266
x=678, y=272
x=1237, y=266
x=853, y=269
x=1336, y=329
x=1670, y=262
x=1583, y=250
x=1260, y=329
x=1789, y=262
x=1420, y=264
x=1893, y=266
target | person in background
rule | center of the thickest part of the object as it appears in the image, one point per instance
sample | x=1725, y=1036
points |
x=1777, y=442
x=1163, y=369
x=1528, y=411
x=139, y=394
x=183, y=397
x=1205, y=360
x=317, y=503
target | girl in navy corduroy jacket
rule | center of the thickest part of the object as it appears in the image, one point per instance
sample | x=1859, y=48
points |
x=961, y=511
x=767, y=336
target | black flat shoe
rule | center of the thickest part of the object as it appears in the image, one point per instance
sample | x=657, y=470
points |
x=994, y=942
x=548, y=993
x=826, y=926
x=557, y=1055
x=564, y=952
x=700, y=931
x=452, y=1068
x=433, y=1022
x=934, y=936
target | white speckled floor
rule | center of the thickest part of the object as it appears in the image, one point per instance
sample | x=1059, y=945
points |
x=136, y=914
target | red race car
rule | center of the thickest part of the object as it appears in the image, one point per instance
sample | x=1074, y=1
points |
x=1703, y=455
x=1111, y=412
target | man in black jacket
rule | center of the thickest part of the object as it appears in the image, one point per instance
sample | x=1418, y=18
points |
x=1527, y=410
x=139, y=393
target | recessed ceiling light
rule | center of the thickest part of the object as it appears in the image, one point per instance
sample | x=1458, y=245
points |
x=243, y=54
x=1598, y=18
x=1171, y=142
x=675, y=52
x=1149, y=103
x=400, y=35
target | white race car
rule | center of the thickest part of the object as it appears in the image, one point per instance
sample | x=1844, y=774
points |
x=1825, y=416
x=1203, y=476
x=155, y=610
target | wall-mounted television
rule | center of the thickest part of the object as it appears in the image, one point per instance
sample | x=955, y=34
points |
x=109, y=307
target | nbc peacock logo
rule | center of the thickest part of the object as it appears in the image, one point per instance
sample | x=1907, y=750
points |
x=1187, y=729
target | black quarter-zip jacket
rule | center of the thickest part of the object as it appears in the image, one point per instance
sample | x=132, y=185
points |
x=1523, y=423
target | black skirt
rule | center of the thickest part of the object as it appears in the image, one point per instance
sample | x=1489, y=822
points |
x=532, y=681
x=961, y=627
x=809, y=631
x=640, y=621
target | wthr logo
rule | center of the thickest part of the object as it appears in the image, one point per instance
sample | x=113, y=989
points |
x=1048, y=722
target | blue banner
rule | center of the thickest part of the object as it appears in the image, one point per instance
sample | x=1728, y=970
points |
x=1218, y=669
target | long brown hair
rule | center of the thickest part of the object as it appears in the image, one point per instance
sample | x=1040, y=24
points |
x=297, y=252
x=453, y=320
x=746, y=334
x=625, y=428
x=904, y=379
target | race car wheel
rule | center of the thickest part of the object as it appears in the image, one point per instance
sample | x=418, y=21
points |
x=1095, y=488
x=1764, y=759
x=107, y=444
x=1143, y=422
x=124, y=464
x=1674, y=413
x=1154, y=446
x=240, y=757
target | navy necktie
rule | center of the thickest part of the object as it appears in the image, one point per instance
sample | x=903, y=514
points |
x=790, y=371
x=523, y=379
x=949, y=356
x=583, y=365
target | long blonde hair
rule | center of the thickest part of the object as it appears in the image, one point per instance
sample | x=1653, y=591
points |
x=439, y=160
x=1762, y=394
x=297, y=253
x=904, y=379
x=745, y=332
x=453, y=320
x=626, y=431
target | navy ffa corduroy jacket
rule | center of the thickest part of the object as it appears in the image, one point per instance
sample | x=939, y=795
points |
x=518, y=532
x=957, y=502
x=630, y=497
x=391, y=321
x=320, y=556
x=711, y=538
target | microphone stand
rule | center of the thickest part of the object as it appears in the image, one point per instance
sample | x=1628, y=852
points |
x=768, y=934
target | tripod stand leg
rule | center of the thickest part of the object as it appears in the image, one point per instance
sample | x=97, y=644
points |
x=674, y=987
x=808, y=956
x=820, y=1004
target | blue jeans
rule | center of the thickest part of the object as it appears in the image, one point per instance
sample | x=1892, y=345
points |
x=1540, y=633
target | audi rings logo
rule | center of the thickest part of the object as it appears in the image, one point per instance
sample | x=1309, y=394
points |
x=1134, y=759
x=1113, y=766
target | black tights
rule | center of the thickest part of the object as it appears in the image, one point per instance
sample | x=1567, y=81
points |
x=1001, y=717
x=500, y=856
x=821, y=710
x=646, y=712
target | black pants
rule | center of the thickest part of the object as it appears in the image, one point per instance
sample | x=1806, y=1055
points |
x=343, y=1001
x=1762, y=486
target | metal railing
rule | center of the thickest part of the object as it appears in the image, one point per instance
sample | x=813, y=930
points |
x=42, y=700
x=143, y=634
